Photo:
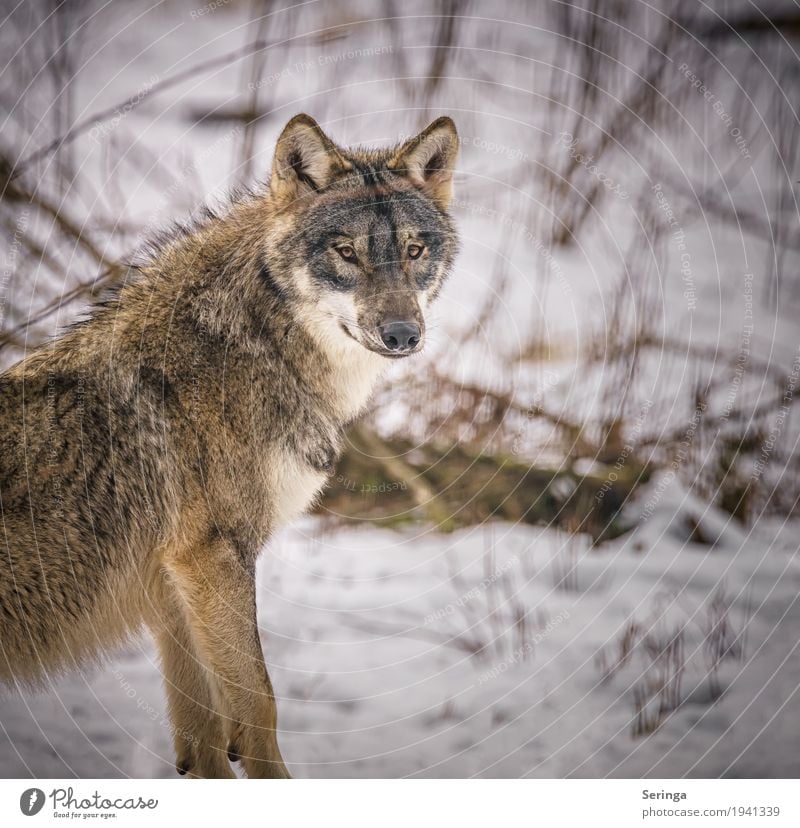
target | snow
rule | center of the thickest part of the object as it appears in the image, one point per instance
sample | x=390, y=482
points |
x=403, y=654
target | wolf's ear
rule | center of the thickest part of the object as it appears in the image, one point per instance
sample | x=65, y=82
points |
x=428, y=160
x=306, y=160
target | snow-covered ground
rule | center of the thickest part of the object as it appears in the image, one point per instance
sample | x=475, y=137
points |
x=491, y=652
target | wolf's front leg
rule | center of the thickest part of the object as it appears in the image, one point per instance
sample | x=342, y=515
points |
x=198, y=731
x=217, y=585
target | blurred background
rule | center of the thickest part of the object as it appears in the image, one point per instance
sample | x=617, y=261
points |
x=564, y=540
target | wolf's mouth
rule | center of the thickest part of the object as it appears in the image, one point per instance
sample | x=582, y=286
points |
x=347, y=331
x=394, y=354
x=384, y=352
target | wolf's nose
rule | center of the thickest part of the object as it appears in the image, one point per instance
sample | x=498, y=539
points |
x=399, y=336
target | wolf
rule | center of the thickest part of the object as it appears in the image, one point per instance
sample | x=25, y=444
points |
x=149, y=453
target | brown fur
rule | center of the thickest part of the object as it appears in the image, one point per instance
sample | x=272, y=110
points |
x=150, y=452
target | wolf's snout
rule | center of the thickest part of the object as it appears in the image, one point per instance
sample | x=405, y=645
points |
x=400, y=336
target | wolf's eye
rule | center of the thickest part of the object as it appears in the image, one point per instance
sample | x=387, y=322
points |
x=347, y=252
x=415, y=251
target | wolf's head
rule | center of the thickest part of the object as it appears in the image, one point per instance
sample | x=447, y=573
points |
x=361, y=240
